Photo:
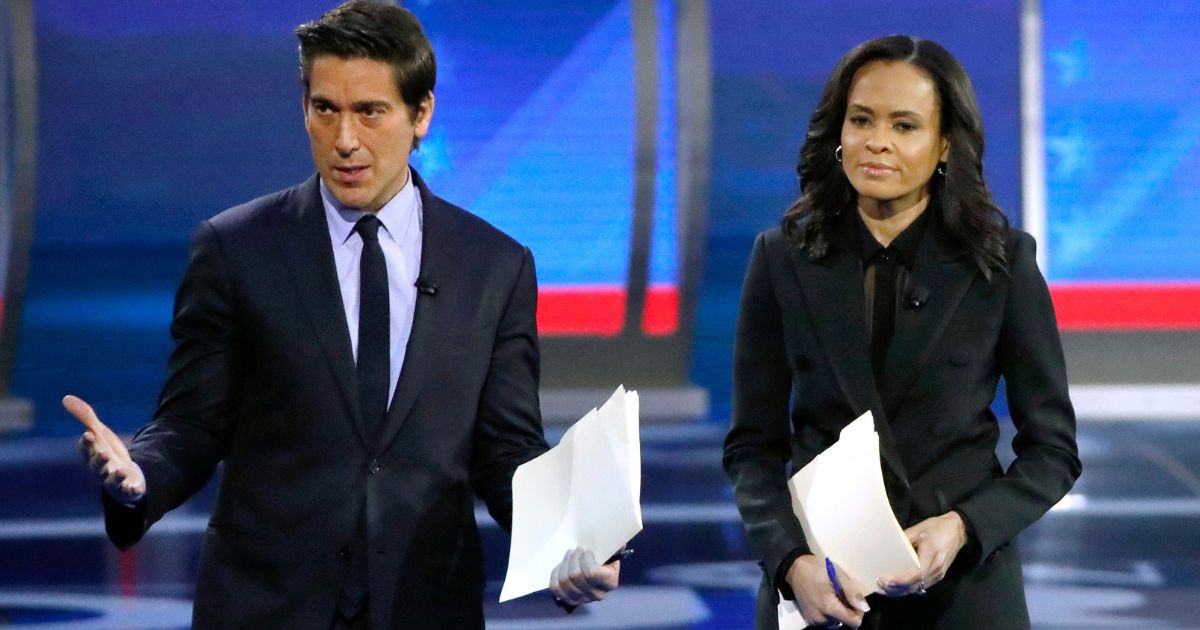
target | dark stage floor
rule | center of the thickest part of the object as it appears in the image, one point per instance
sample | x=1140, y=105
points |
x=1121, y=551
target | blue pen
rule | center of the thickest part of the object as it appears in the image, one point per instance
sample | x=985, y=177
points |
x=833, y=579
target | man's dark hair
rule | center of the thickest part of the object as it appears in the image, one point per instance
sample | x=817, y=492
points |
x=963, y=203
x=362, y=29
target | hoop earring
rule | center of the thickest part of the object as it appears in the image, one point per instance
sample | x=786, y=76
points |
x=837, y=154
x=941, y=169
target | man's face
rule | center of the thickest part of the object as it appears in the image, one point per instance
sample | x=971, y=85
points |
x=360, y=130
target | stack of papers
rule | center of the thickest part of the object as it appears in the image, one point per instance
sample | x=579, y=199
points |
x=585, y=492
x=843, y=507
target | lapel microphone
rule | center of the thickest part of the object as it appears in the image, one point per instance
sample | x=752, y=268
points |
x=426, y=287
x=917, y=298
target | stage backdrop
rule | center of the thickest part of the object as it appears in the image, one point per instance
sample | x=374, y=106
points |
x=585, y=119
x=558, y=122
x=1121, y=116
x=770, y=60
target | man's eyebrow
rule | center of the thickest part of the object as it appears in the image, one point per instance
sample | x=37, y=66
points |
x=320, y=100
x=362, y=106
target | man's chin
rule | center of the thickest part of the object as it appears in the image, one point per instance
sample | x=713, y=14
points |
x=349, y=197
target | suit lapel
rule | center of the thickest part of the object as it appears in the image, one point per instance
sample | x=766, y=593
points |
x=833, y=291
x=440, y=259
x=304, y=240
x=942, y=277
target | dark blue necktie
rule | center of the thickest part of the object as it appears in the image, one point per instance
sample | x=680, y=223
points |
x=374, y=362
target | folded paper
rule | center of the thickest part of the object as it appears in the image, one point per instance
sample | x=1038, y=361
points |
x=585, y=492
x=843, y=507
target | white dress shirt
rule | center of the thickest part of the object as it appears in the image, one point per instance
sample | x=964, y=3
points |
x=400, y=240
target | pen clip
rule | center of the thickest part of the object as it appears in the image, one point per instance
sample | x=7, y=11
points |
x=625, y=552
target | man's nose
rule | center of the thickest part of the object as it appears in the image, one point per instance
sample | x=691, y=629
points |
x=347, y=137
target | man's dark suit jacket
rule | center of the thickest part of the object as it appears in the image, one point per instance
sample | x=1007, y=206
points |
x=802, y=347
x=262, y=377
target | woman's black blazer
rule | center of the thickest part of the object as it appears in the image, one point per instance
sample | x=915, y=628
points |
x=802, y=371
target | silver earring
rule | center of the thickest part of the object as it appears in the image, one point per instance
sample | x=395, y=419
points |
x=941, y=169
x=837, y=154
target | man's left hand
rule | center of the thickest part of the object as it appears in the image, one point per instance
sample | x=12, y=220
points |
x=579, y=579
x=937, y=541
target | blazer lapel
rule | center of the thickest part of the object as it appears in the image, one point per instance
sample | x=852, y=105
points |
x=308, y=253
x=439, y=266
x=833, y=291
x=939, y=280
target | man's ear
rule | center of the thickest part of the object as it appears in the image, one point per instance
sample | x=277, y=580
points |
x=424, y=116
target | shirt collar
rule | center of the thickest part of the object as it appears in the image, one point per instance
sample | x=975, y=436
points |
x=904, y=245
x=397, y=215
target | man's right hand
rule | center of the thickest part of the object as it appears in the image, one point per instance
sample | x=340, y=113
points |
x=106, y=455
x=816, y=598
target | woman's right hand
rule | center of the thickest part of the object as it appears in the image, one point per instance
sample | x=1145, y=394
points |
x=816, y=598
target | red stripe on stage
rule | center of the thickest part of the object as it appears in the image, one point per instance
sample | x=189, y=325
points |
x=661, y=315
x=127, y=572
x=599, y=311
x=1127, y=306
x=587, y=311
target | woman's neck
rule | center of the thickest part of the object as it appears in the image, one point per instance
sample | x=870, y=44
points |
x=885, y=221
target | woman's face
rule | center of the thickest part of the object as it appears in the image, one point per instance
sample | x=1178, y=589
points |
x=891, y=138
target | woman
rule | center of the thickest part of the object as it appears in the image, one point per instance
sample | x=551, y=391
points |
x=895, y=285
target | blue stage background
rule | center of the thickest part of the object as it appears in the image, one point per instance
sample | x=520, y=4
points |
x=156, y=115
x=1122, y=116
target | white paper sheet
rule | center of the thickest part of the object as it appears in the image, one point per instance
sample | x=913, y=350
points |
x=789, y=616
x=585, y=492
x=843, y=507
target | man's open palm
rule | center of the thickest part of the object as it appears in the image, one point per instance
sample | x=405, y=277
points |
x=106, y=454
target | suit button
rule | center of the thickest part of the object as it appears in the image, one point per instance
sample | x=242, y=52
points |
x=374, y=466
x=802, y=363
x=941, y=429
x=344, y=553
x=959, y=357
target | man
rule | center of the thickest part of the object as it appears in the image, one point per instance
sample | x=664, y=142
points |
x=362, y=356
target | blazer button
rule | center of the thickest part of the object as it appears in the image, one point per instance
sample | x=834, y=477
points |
x=802, y=363
x=959, y=357
x=374, y=466
x=941, y=429
x=344, y=553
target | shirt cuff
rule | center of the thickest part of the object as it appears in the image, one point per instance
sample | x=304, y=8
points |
x=122, y=501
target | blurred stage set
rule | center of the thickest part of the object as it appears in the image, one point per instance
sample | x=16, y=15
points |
x=637, y=147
